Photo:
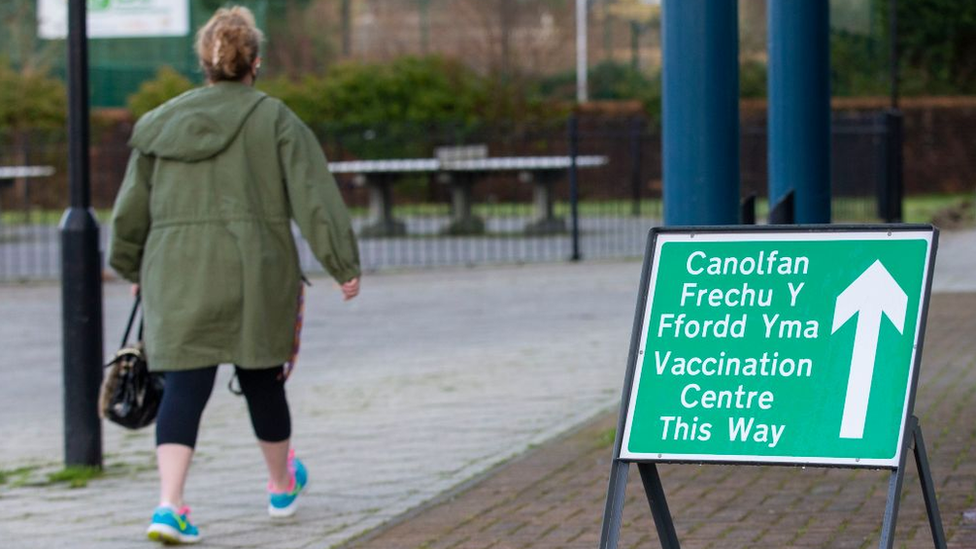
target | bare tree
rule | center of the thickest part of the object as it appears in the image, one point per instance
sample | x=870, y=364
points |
x=641, y=17
x=302, y=37
x=346, y=16
x=513, y=37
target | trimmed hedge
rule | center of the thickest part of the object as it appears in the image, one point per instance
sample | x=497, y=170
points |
x=167, y=84
x=30, y=100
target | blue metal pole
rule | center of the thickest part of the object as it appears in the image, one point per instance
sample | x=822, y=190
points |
x=701, y=112
x=799, y=107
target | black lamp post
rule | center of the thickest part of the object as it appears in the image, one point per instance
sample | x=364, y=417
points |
x=81, y=266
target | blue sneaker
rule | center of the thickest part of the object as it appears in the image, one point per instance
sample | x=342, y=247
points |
x=284, y=504
x=172, y=527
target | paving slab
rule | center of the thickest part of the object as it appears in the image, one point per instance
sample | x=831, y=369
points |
x=426, y=380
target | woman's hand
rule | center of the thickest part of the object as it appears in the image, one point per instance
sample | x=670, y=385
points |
x=135, y=290
x=350, y=289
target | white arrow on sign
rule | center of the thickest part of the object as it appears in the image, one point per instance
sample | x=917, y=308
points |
x=874, y=293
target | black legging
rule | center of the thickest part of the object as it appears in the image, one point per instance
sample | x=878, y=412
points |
x=187, y=392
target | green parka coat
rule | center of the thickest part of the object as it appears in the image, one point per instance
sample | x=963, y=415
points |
x=202, y=223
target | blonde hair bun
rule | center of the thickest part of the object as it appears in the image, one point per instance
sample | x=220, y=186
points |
x=228, y=44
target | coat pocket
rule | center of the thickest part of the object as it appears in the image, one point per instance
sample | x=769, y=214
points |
x=193, y=291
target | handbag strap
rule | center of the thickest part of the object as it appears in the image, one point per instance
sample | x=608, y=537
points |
x=132, y=318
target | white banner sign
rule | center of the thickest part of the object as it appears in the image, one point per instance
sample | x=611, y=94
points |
x=117, y=18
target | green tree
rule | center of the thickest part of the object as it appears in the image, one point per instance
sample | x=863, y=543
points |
x=858, y=65
x=611, y=81
x=410, y=89
x=937, y=42
x=752, y=79
x=384, y=109
x=167, y=84
x=30, y=100
x=936, y=46
x=391, y=109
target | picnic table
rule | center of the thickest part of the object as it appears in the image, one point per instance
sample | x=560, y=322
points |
x=9, y=174
x=17, y=172
x=462, y=174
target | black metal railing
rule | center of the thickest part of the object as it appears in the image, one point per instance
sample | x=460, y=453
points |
x=612, y=205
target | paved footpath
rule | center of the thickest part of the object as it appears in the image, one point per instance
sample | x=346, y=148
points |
x=424, y=381
x=430, y=379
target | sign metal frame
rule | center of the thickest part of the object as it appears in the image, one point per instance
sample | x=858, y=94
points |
x=910, y=433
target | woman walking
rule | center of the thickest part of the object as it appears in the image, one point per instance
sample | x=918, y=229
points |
x=202, y=225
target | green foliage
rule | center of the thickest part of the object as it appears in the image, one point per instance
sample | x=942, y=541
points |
x=936, y=46
x=381, y=110
x=937, y=42
x=858, y=64
x=518, y=100
x=752, y=79
x=613, y=81
x=410, y=89
x=167, y=84
x=390, y=109
x=610, y=81
x=30, y=99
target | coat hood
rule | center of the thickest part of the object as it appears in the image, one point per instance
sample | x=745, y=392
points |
x=196, y=125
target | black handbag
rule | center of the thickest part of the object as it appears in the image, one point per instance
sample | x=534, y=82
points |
x=130, y=393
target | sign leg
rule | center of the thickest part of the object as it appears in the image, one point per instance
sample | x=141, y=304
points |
x=659, y=505
x=613, y=513
x=928, y=489
x=894, y=490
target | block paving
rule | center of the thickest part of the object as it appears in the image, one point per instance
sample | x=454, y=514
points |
x=553, y=497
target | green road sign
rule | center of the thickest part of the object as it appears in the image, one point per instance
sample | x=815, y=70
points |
x=779, y=346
